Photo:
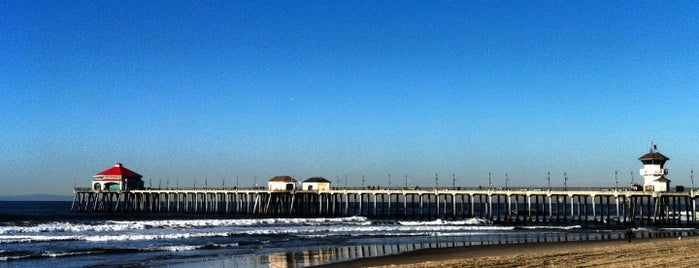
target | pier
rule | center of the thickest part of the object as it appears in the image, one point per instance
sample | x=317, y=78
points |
x=120, y=190
x=607, y=206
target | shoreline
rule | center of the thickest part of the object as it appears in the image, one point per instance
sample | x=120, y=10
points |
x=639, y=252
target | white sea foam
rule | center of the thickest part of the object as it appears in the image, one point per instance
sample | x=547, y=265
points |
x=117, y=226
x=229, y=245
x=108, y=231
x=551, y=227
x=60, y=227
x=168, y=236
x=216, y=228
x=240, y=222
x=12, y=258
x=63, y=254
x=677, y=229
x=6, y=239
x=179, y=248
x=472, y=221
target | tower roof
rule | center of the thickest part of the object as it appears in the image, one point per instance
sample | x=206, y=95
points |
x=316, y=179
x=119, y=170
x=663, y=179
x=653, y=156
x=282, y=179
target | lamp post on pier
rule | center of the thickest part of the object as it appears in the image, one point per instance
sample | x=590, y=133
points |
x=436, y=180
x=691, y=176
x=507, y=181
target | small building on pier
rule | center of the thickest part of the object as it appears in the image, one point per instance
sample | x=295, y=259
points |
x=117, y=178
x=315, y=184
x=282, y=183
x=654, y=171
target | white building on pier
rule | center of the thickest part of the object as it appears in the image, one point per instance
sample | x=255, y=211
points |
x=316, y=184
x=282, y=183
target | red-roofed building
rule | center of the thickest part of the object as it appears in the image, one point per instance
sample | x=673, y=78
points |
x=117, y=178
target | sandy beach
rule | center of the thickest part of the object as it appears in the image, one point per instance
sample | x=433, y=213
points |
x=660, y=252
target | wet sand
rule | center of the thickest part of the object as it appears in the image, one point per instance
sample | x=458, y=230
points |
x=660, y=252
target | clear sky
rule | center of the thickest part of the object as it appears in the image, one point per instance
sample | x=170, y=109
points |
x=206, y=91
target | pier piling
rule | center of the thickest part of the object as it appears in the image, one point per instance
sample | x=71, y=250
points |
x=502, y=205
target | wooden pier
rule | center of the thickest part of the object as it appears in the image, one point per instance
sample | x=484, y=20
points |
x=610, y=206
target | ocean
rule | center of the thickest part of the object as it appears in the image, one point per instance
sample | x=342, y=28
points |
x=47, y=234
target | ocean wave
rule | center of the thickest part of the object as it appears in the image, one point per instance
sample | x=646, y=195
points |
x=218, y=246
x=472, y=221
x=392, y=234
x=117, y=226
x=677, y=229
x=551, y=227
x=167, y=236
x=354, y=220
x=66, y=227
x=11, y=239
x=20, y=255
x=110, y=227
x=178, y=248
x=307, y=231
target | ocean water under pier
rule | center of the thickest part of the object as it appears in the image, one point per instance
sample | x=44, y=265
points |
x=612, y=206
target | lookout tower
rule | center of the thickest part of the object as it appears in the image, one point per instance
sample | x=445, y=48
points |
x=654, y=170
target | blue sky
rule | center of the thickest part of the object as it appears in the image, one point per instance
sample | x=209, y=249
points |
x=210, y=91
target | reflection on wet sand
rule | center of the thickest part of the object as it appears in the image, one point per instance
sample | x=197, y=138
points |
x=313, y=257
x=327, y=255
x=320, y=256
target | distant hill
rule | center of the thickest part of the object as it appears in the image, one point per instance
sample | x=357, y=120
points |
x=36, y=197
